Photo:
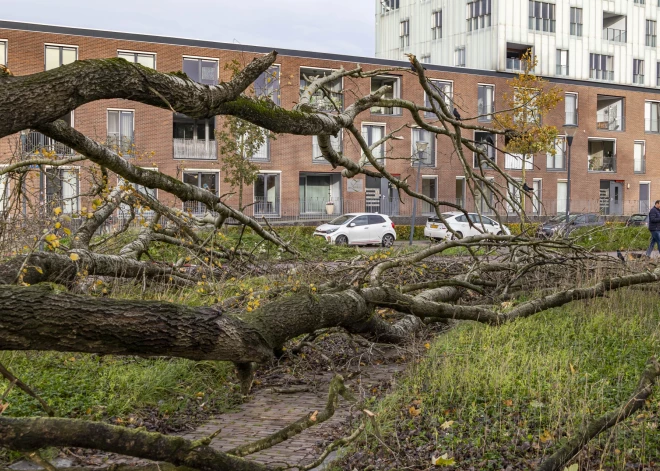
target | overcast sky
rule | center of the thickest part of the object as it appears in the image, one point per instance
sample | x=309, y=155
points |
x=340, y=26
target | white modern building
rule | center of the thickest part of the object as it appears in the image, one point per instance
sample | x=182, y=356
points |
x=613, y=41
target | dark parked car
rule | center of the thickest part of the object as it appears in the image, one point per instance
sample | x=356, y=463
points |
x=557, y=226
x=638, y=220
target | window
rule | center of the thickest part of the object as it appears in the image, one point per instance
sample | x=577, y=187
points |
x=436, y=24
x=317, y=155
x=373, y=133
x=62, y=188
x=485, y=142
x=571, y=109
x=576, y=21
x=459, y=56
x=651, y=33
x=3, y=53
x=262, y=154
x=514, y=193
x=601, y=67
x=142, y=58
x=542, y=16
x=515, y=161
x=562, y=62
x=317, y=189
x=267, y=194
x=430, y=190
x=394, y=92
x=388, y=5
x=404, y=33
x=201, y=179
x=638, y=71
x=483, y=198
x=652, y=116
x=556, y=161
x=657, y=74
x=602, y=155
x=203, y=71
x=537, y=195
x=478, y=14
x=268, y=84
x=444, y=89
x=330, y=100
x=640, y=2
x=57, y=56
x=120, y=129
x=562, y=196
x=125, y=209
x=426, y=59
x=428, y=156
x=526, y=108
x=194, y=138
x=485, y=102
x=4, y=191
x=639, y=157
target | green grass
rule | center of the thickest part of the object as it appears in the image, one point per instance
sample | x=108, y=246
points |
x=100, y=388
x=612, y=237
x=514, y=392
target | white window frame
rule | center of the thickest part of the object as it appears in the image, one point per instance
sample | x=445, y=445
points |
x=577, y=106
x=279, y=206
x=319, y=159
x=413, y=150
x=484, y=165
x=648, y=202
x=4, y=44
x=596, y=138
x=279, y=81
x=448, y=97
x=77, y=197
x=46, y=45
x=537, y=200
x=648, y=126
x=564, y=181
x=135, y=185
x=487, y=119
x=434, y=197
x=4, y=182
x=383, y=160
x=201, y=170
x=396, y=94
x=548, y=156
x=215, y=59
x=107, y=120
x=457, y=56
x=126, y=51
x=642, y=171
x=300, y=69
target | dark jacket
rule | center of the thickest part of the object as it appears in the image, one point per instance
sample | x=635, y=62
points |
x=654, y=219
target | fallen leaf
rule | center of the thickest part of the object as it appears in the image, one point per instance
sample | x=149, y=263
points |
x=545, y=437
x=427, y=345
x=414, y=411
x=74, y=256
x=3, y=407
x=572, y=368
x=447, y=424
x=313, y=416
x=573, y=467
x=508, y=402
x=443, y=460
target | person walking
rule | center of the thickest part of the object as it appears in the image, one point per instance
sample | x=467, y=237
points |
x=654, y=227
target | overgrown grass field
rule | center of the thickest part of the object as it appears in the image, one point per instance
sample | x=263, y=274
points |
x=494, y=397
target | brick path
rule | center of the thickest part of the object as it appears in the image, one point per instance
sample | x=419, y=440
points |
x=268, y=412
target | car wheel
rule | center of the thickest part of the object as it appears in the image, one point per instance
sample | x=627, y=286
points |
x=388, y=240
x=500, y=233
x=341, y=240
x=459, y=235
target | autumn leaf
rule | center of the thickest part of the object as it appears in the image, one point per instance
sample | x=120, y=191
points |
x=314, y=416
x=39, y=270
x=545, y=437
x=443, y=460
x=572, y=368
x=67, y=231
x=573, y=467
x=414, y=412
x=3, y=407
x=447, y=424
x=57, y=211
x=74, y=256
x=427, y=345
x=508, y=402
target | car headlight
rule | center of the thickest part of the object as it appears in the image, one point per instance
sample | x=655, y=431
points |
x=330, y=231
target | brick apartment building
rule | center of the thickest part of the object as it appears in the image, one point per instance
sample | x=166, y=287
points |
x=618, y=127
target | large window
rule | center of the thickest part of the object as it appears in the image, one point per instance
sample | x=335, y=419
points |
x=404, y=33
x=601, y=67
x=652, y=116
x=120, y=129
x=394, y=92
x=267, y=84
x=203, y=71
x=515, y=161
x=428, y=156
x=57, y=56
x=317, y=155
x=329, y=100
x=194, y=138
x=267, y=194
x=562, y=62
x=3, y=53
x=562, y=196
x=62, y=189
x=373, y=133
x=638, y=71
x=143, y=58
x=556, y=161
x=444, y=89
x=485, y=142
x=571, y=109
x=639, y=157
x=478, y=14
x=576, y=21
x=542, y=16
x=651, y=32
x=485, y=102
x=459, y=56
x=436, y=24
x=388, y=5
x=206, y=180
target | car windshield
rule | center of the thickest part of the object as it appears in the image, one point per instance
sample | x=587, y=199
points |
x=444, y=215
x=638, y=217
x=338, y=221
x=560, y=219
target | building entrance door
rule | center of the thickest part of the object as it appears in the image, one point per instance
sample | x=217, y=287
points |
x=381, y=196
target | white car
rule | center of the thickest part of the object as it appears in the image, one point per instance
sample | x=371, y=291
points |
x=358, y=229
x=463, y=226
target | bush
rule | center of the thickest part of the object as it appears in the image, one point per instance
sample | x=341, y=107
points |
x=403, y=232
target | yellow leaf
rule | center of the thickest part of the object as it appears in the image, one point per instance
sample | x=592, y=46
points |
x=443, y=460
x=414, y=411
x=58, y=225
x=545, y=437
x=573, y=467
x=67, y=231
x=447, y=424
x=572, y=368
x=57, y=211
x=50, y=237
x=427, y=345
x=39, y=270
x=74, y=256
x=508, y=402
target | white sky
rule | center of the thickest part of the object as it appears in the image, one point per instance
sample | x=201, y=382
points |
x=339, y=26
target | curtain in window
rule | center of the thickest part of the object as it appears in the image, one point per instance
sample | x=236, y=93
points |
x=373, y=134
x=3, y=191
x=69, y=182
x=561, y=197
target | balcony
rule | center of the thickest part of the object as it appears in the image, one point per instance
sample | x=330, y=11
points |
x=196, y=149
x=515, y=64
x=34, y=141
x=614, y=35
x=610, y=113
x=613, y=124
x=602, y=156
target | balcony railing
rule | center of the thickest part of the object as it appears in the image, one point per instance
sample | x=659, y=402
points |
x=562, y=69
x=613, y=124
x=34, y=141
x=601, y=74
x=515, y=64
x=309, y=206
x=195, y=149
x=615, y=35
x=266, y=207
x=602, y=163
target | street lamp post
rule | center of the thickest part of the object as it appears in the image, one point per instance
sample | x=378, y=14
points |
x=421, y=147
x=569, y=131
